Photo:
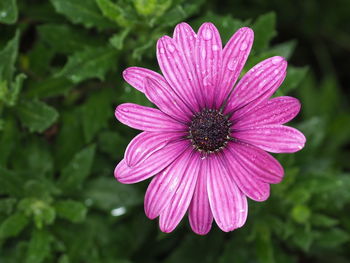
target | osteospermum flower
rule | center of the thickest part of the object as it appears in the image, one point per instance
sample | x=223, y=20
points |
x=206, y=143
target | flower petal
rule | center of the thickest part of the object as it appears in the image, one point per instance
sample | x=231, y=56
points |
x=200, y=215
x=146, y=119
x=257, y=85
x=171, y=216
x=136, y=77
x=226, y=200
x=275, y=111
x=273, y=138
x=167, y=101
x=177, y=71
x=165, y=184
x=235, y=54
x=155, y=163
x=185, y=38
x=259, y=163
x=208, y=59
x=145, y=144
x=244, y=176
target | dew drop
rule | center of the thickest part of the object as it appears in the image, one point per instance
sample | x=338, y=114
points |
x=276, y=71
x=203, y=53
x=138, y=150
x=124, y=109
x=243, y=46
x=171, y=47
x=118, y=211
x=215, y=47
x=276, y=60
x=207, y=81
x=232, y=64
x=162, y=50
x=259, y=72
x=207, y=34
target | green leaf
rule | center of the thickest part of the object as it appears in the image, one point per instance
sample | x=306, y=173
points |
x=294, y=77
x=9, y=93
x=323, y=220
x=107, y=194
x=285, y=50
x=227, y=25
x=75, y=39
x=117, y=40
x=9, y=137
x=112, y=143
x=7, y=205
x=42, y=212
x=96, y=112
x=151, y=7
x=77, y=170
x=35, y=158
x=36, y=115
x=84, y=12
x=72, y=210
x=13, y=225
x=10, y=183
x=303, y=238
x=334, y=237
x=70, y=138
x=264, y=246
x=89, y=63
x=39, y=247
x=177, y=13
x=114, y=12
x=8, y=57
x=264, y=30
x=8, y=11
x=38, y=61
x=301, y=214
x=48, y=88
x=193, y=249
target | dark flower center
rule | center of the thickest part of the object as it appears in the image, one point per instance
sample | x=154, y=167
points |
x=209, y=130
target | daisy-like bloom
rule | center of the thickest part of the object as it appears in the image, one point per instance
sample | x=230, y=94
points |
x=206, y=143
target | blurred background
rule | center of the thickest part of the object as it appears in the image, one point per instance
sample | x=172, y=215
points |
x=60, y=80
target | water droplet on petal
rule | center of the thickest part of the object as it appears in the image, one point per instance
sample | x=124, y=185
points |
x=232, y=64
x=123, y=109
x=203, y=53
x=215, y=47
x=243, y=46
x=207, y=34
x=171, y=47
x=161, y=50
x=207, y=81
x=276, y=71
x=276, y=60
x=259, y=72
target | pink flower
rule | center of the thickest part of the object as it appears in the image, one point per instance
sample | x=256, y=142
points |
x=206, y=144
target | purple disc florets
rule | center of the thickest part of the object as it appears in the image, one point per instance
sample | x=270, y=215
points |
x=209, y=130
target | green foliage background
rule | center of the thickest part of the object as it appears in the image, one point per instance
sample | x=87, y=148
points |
x=60, y=79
